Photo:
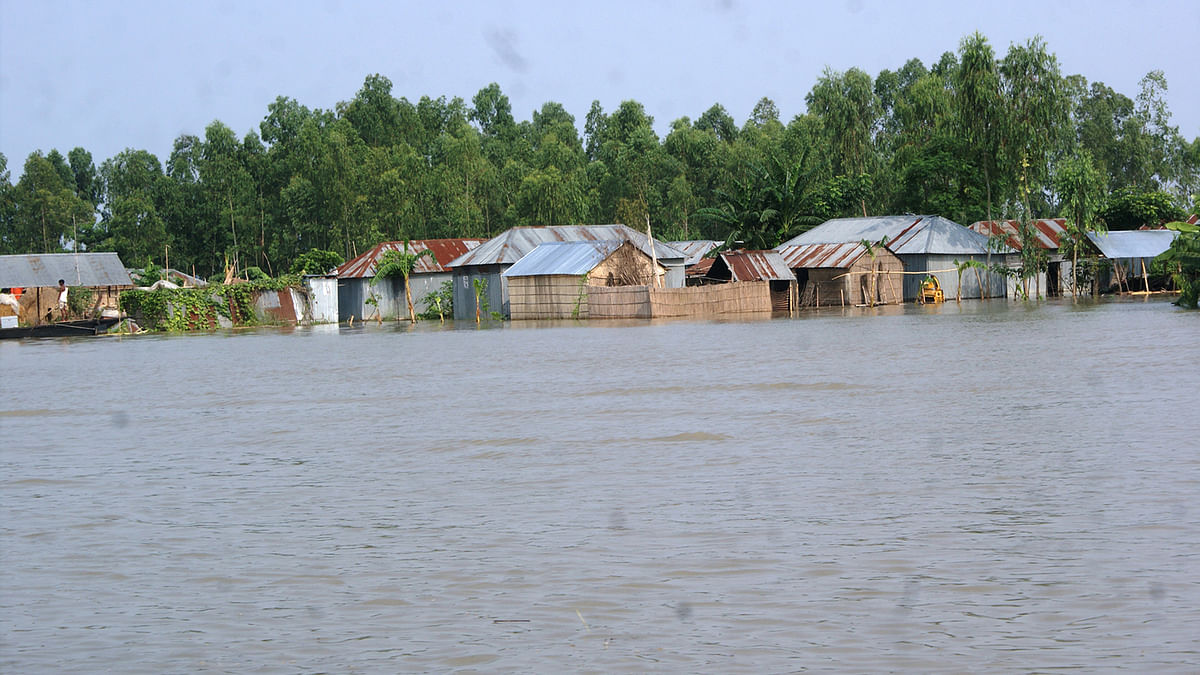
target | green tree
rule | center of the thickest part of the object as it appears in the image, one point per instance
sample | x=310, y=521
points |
x=1080, y=188
x=133, y=183
x=402, y=263
x=978, y=110
x=849, y=110
x=46, y=212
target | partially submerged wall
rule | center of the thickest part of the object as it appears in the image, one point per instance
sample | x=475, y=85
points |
x=547, y=297
x=643, y=302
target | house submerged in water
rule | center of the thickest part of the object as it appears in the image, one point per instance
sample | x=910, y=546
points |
x=925, y=245
x=362, y=296
x=487, y=263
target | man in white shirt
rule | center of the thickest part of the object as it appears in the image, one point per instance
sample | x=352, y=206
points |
x=62, y=299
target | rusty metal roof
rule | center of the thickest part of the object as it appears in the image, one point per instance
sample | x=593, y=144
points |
x=444, y=250
x=90, y=270
x=754, y=266
x=813, y=256
x=1047, y=232
x=701, y=268
x=512, y=245
x=906, y=235
x=695, y=249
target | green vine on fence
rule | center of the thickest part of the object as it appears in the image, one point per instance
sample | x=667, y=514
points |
x=192, y=309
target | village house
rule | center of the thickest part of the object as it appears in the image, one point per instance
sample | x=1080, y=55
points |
x=363, y=296
x=766, y=267
x=1046, y=234
x=487, y=263
x=102, y=274
x=554, y=280
x=925, y=245
x=845, y=274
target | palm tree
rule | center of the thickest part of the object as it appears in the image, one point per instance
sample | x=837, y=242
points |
x=403, y=263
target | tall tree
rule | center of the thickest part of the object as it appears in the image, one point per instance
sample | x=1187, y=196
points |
x=1081, y=188
x=978, y=109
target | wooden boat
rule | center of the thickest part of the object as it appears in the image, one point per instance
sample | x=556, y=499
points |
x=61, y=328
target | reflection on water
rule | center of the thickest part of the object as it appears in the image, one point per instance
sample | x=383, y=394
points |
x=986, y=487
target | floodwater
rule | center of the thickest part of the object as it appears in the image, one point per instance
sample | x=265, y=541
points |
x=995, y=487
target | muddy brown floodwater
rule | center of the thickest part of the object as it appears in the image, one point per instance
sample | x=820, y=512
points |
x=992, y=487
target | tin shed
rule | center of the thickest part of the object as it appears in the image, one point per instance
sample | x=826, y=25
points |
x=358, y=286
x=553, y=280
x=102, y=273
x=841, y=274
x=487, y=263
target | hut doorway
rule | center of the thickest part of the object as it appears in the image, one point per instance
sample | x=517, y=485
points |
x=1054, y=280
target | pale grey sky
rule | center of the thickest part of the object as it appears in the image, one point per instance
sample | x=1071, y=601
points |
x=109, y=75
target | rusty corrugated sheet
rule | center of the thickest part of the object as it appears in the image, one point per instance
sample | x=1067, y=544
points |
x=816, y=256
x=757, y=266
x=701, y=268
x=1048, y=232
x=444, y=250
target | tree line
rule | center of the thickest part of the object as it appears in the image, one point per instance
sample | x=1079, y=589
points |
x=971, y=137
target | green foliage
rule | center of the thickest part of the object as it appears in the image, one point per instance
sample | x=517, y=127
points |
x=1183, y=262
x=193, y=309
x=1130, y=209
x=79, y=301
x=399, y=263
x=315, y=261
x=440, y=303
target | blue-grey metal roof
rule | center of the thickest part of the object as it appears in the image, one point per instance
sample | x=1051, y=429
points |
x=514, y=244
x=90, y=270
x=1133, y=243
x=907, y=235
x=694, y=249
x=563, y=258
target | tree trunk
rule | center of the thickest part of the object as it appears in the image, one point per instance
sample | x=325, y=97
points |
x=412, y=317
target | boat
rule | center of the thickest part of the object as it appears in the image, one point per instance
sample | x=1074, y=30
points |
x=80, y=327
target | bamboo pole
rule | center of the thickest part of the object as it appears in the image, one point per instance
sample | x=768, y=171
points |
x=1145, y=276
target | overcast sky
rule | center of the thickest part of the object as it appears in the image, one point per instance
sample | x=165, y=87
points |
x=108, y=75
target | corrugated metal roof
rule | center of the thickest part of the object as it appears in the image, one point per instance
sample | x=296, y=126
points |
x=694, y=249
x=512, y=245
x=444, y=250
x=1048, y=232
x=563, y=257
x=814, y=256
x=1133, y=243
x=90, y=270
x=756, y=266
x=907, y=235
x=701, y=268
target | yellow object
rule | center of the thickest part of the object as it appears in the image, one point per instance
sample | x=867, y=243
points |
x=931, y=291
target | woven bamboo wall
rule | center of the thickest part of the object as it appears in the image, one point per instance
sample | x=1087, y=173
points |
x=546, y=297
x=711, y=299
x=618, y=302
